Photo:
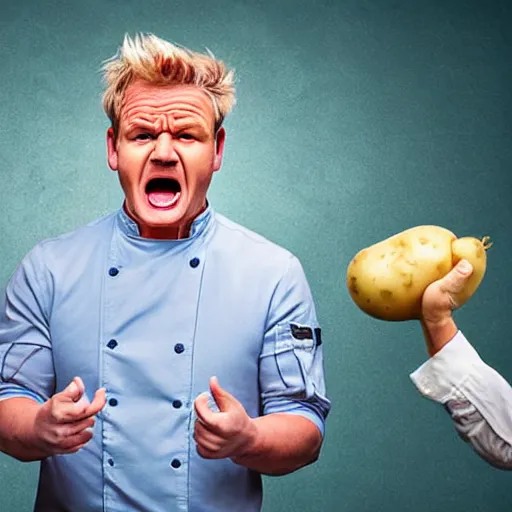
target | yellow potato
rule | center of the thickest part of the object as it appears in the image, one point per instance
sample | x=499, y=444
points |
x=387, y=280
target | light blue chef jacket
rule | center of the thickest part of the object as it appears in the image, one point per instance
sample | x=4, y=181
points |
x=152, y=321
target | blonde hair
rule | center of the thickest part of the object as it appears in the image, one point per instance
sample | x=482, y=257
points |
x=154, y=60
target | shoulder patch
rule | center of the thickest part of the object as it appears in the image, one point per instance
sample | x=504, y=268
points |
x=301, y=332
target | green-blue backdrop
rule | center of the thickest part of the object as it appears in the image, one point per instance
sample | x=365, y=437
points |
x=356, y=119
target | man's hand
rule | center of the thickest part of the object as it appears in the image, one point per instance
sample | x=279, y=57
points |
x=227, y=433
x=437, y=305
x=438, y=301
x=64, y=423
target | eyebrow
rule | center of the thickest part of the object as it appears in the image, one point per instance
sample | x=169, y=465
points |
x=139, y=123
x=190, y=125
x=178, y=125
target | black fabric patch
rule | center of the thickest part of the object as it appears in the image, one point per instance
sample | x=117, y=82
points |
x=301, y=333
x=306, y=333
x=318, y=336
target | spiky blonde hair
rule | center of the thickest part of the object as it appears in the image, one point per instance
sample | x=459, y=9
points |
x=154, y=60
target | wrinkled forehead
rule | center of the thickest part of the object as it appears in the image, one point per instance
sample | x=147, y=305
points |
x=150, y=102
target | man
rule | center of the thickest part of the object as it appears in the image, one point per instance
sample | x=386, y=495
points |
x=478, y=399
x=110, y=335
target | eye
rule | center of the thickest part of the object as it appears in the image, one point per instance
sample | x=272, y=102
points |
x=186, y=136
x=144, y=136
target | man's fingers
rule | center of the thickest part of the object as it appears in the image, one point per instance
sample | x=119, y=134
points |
x=203, y=411
x=78, y=426
x=97, y=404
x=208, y=444
x=69, y=437
x=81, y=387
x=73, y=443
x=81, y=438
x=222, y=398
x=463, y=268
x=207, y=454
x=204, y=435
x=73, y=392
x=75, y=449
x=83, y=410
x=68, y=412
x=455, y=280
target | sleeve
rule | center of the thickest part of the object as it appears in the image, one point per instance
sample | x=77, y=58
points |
x=473, y=428
x=477, y=397
x=26, y=363
x=291, y=360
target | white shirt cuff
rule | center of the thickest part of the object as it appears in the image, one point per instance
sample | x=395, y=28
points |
x=440, y=376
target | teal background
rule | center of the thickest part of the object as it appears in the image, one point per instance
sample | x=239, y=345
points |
x=356, y=119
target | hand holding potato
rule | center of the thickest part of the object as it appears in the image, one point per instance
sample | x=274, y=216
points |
x=437, y=304
x=440, y=297
x=388, y=279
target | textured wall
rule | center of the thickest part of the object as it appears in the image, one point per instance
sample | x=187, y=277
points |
x=356, y=119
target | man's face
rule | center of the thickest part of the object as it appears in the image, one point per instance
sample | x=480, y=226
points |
x=165, y=152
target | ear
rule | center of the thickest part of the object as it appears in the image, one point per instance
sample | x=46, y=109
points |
x=220, y=137
x=111, y=149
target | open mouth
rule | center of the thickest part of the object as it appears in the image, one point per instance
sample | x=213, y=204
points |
x=163, y=192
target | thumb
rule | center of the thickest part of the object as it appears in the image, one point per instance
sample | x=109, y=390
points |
x=222, y=398
x=74, y=391
x=455, y=280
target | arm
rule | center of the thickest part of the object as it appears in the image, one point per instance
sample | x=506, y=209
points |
x=17, y=418
x=282, y=444
x=274, y=444
x=289, y=434
x=32, y=431
x=473, y=428
x=33, y=423
x=437, y=305
x=478, y=399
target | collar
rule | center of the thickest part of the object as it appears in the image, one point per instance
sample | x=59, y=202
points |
x=199, y=225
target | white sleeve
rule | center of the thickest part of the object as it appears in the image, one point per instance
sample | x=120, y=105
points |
x=457, y=377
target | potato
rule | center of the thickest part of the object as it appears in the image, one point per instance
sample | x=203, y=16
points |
x=387, y=280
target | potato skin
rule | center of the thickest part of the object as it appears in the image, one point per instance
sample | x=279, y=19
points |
x=387, y=279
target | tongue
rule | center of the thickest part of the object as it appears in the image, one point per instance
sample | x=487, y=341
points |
x=162, y=199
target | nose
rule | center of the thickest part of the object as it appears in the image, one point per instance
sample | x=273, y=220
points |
x=163, y=152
